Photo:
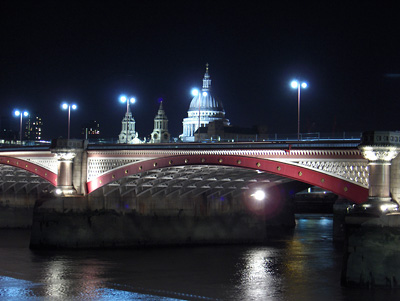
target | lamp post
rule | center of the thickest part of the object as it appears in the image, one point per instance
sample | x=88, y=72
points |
x=66, y=106
x=132, y=100
x=19, y=114
x=295, y=84
x=196, y=92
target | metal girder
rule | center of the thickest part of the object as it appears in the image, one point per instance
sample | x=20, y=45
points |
x=18, y=180
x=193, y=180
x=33, y=187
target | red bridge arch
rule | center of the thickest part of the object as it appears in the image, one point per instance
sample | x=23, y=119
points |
x=45, y=174
x=341, y=187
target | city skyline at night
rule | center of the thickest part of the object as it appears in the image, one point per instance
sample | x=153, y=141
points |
x=90, y=53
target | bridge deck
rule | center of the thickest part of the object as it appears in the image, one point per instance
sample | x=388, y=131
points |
x=335, y=165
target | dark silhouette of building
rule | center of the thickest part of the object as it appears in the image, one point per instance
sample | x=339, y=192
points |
x=218, y=131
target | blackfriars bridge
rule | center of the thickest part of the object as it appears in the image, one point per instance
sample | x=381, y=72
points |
x=90, y=196
x=72, y=167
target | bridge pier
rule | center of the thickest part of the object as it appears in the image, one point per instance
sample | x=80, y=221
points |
x=69, y=154
x=96, y=221
x=380, y=148
x=373, y=228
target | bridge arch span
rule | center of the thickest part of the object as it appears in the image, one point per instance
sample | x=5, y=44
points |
x=44, y=173
x=341, y=187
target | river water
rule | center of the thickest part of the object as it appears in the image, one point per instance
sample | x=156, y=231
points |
x=304, y=266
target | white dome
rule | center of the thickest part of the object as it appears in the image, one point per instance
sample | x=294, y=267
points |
x=203, y=109
x=207, y=103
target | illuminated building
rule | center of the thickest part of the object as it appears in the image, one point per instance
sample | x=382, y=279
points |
x=203, y=109
x=160, y=132
x=128, y=134
x=33, y=128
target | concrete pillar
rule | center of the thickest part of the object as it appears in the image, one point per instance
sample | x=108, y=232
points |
x=380, y=148
x=66, y=151
x=379, y=180
x=65, y=171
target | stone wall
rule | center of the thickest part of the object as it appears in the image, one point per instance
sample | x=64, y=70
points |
x=372, y=252
x=16, y=210
x=96, y=221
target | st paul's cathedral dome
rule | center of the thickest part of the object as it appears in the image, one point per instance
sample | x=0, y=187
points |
x=207, y=107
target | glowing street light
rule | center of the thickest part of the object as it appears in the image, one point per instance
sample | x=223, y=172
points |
x=19, y=114
x=259, y=195
x=196, y=92
x=124, y=99
x=128, y=101
x=66, y=106
x=297, y=85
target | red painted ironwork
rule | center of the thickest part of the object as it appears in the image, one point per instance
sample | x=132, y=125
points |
x=341, y=187
x=45, y=174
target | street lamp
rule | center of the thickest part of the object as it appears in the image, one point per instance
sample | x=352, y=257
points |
x=132, y=100
x=66, y=106
x=18, y=113
x=297, y=85
x=196, y=92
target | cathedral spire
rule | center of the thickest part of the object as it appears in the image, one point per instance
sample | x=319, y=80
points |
x=206, y=80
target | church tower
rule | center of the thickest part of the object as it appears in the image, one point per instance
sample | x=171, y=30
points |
x=128, y=134
x=160, y=133
x=203, y=109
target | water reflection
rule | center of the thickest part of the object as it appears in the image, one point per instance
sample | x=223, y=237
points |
x=56, y=285
x=305, y=266
x=260, y=275
x=15, y=288
x=65, y=276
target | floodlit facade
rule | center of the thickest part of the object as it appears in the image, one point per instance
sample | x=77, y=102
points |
x=207, y=107
x=128, y=134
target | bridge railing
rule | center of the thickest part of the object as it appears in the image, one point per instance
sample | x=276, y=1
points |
x=317, y=136
x=276, y=137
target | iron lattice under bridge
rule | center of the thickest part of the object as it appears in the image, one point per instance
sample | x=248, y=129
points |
x=337, y=166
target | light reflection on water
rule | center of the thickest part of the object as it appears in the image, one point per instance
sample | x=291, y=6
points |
x=258, y=276
x=304, y=266
x=12, y=288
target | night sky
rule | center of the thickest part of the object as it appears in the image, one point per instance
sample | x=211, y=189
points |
x=91, y=53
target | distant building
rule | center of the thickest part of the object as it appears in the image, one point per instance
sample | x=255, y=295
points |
x=33, y=128
x=217, y=131
x=205, y=106
x=128, y=134
x=160, y=132
x=7, y=134
x=91, y=130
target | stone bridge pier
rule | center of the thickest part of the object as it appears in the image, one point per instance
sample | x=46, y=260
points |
x=380, y=148
x=373, y=229
x=71, y=157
